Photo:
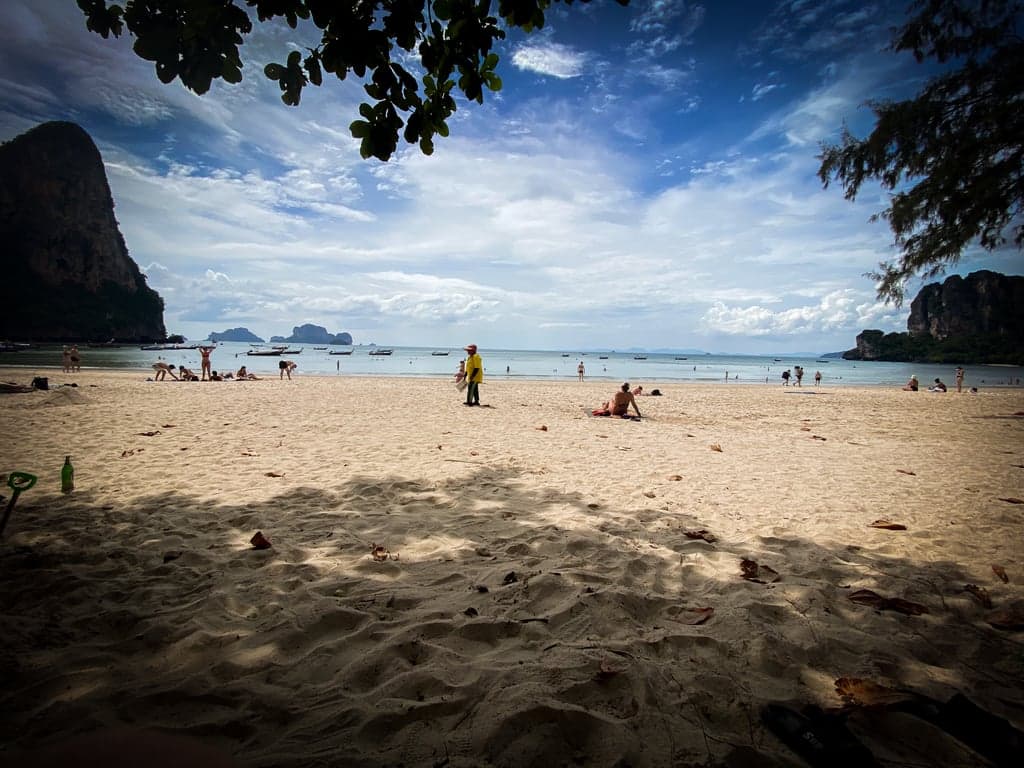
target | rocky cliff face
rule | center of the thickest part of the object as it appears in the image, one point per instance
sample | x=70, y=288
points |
x=982, y=303
x=976, y=319
x=66, y=270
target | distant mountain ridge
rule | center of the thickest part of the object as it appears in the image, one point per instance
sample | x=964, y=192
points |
x=974, y=319
x=66, y=272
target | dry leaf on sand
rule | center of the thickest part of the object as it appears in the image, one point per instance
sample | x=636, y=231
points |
x=716, y=447
x=259, y=541
x=978, y=593
x=1012, y=500
x=999, y=571
x=380, y=554
x=708, y=536
x=906, y=472
x=887, y=525
x=880, y=603
x=695, y=616
x=675, y=477
x=274, y=474
x=762, y=574
x=864, y=693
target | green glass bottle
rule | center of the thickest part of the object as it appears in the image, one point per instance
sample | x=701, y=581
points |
x=67, y=476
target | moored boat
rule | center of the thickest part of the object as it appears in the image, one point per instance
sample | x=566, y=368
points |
x=381, y=351
x=342, y=352
x=264, y=352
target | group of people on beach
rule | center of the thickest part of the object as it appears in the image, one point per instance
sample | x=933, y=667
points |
x=71, y=360
x=938, y=385
x=162, y=370
x=798, y=370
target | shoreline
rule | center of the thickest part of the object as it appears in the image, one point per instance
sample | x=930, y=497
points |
x=7, y=371
x=543, y=599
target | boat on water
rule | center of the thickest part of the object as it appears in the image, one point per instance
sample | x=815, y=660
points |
x=639, y=357
x=167, y=347
x=565, y=354
x=381, y=351
x=286, y=351
x=438, y=354
x=682, y=358
x=320, y=349
x=602, y=357
x=342, y=352
x=264, y=352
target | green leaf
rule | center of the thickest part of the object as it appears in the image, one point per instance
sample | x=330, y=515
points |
x=359, y=129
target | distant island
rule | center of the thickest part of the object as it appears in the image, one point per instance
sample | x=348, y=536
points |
x=972, y=320
x=314, y=334
x=235, y=334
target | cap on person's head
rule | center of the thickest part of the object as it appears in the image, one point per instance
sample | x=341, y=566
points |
x=471, y=348
x=914, y=377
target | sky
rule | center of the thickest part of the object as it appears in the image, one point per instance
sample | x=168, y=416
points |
x=645, y=179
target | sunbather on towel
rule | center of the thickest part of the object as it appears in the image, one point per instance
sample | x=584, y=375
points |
x=619, y=404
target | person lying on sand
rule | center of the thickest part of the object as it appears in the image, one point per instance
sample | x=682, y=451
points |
x=186, y=374
x=619, y=404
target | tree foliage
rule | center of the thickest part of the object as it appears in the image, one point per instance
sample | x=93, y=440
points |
x=198, y=41
x=952, y=156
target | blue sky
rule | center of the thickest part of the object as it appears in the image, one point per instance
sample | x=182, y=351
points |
x=645, y=178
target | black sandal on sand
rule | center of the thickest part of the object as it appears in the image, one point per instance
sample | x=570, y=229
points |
x=822, y=740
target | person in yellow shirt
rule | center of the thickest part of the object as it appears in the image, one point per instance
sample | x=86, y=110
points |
x=474, y=375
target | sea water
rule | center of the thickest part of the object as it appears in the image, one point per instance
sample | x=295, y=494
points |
x=639, y=368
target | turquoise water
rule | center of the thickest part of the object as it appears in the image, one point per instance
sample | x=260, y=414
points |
x=531, y=364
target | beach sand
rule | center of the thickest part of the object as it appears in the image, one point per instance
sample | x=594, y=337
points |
x=541, y=603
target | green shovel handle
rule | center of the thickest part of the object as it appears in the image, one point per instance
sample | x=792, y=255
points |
x=21, y=481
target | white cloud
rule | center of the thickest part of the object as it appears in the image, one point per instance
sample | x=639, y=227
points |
x=549, y=59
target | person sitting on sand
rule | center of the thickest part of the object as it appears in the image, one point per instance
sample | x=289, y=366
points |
x=938, y=386
x=286, y=367
x=912, y=385
x=639, y=390
x=243, y=375
x=162, y=370
x=619, y=404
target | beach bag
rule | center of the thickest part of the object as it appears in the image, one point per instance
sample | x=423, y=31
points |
x=461, y=385
x=41, y=382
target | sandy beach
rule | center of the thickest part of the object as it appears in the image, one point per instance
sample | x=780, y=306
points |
x=541, y=594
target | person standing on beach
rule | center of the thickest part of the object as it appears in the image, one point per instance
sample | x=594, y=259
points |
x=785, y=378
x=817, y=378
x=959, y=378
x=75, y=358
x=799, y=375
x=66, y=359
x=580, y=370
x=205, y=352
x=474, y=375
x=285, y=367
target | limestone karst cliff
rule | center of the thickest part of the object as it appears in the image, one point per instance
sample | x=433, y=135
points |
x=67, y=274
x=973, y=319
